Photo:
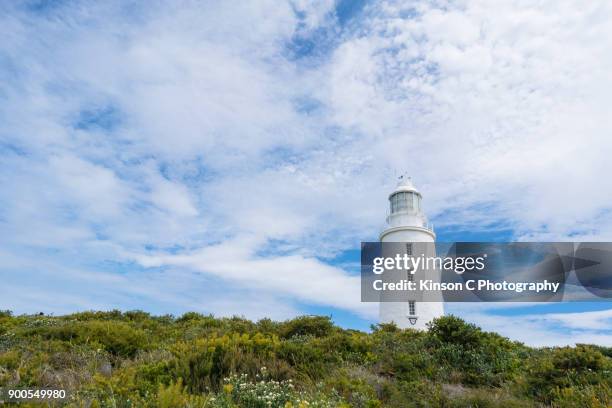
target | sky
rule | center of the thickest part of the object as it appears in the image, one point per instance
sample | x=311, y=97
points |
x=229, y=157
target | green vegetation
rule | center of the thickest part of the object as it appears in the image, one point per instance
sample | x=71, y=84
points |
x=132, y=359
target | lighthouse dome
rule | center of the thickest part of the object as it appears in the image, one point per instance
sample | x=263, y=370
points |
x=406, y=210
x=405, y=197
x=404, y=185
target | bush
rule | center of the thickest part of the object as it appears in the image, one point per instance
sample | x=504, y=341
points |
x=191, y=317
x=579, y=359
x=203, y=363
x=116, y=337
x=137, y=315
x=453, y=330
x=316, y=326
x=175, y=396
x=98, y=315
x=471, y=356
x=571, y=374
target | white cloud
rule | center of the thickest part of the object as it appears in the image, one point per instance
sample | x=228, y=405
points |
x=585, y=320
x=490, y=106
x=542, y=328
x=305, y=279
x=94, y=188
x=172, y=197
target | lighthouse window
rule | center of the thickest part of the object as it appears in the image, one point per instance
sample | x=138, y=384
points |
x=398, y=202
x=412, y=308
x=402, y=201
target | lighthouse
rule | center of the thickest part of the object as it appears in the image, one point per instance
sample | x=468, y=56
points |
x=407, y=226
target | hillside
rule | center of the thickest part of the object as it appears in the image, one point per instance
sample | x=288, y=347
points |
x=133, y=359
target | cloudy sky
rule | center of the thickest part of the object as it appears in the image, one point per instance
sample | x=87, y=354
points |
x=228, y=157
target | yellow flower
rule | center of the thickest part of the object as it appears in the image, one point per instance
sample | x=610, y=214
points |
x=228, y=388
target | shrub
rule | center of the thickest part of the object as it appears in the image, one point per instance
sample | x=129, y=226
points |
x=471, y=355
x=191, y=317
x=571, y=374
x=309, y=358
x=579, y=359
x=203, y=363
x=117, y=337
x=268, y=326
x=453, y=330
x=316, y=326
x=175, y=396
x=137, y=315
x=353, y=388
x=98, y=315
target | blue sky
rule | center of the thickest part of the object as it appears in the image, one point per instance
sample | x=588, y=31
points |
x=229, y=157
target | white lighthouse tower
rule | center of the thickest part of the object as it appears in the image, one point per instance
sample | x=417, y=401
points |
x=407, y=224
